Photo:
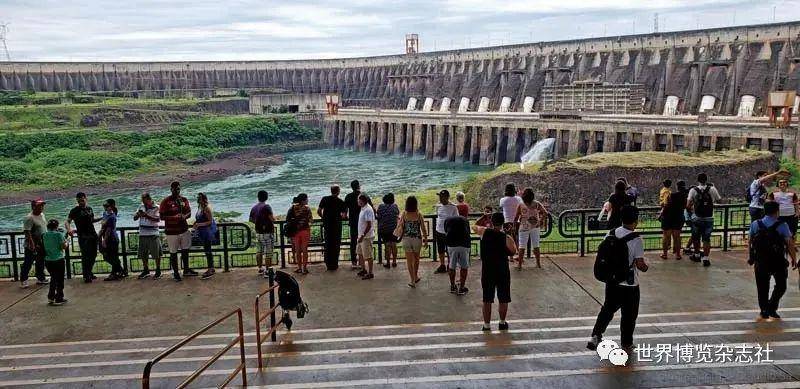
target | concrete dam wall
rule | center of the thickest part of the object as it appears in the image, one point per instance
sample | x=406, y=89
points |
x=690, y=69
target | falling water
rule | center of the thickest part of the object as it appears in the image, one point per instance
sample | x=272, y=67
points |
x=541, y=151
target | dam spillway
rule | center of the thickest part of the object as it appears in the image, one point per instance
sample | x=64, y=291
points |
x=723, y=69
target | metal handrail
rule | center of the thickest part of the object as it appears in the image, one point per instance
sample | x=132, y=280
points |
x=239, y=368
x=273, y=330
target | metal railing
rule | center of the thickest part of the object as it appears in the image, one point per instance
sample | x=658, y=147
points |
x=568, y=233
x=259, y=318
x=241, y=367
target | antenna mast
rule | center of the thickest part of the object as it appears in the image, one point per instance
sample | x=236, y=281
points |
x=3, y=30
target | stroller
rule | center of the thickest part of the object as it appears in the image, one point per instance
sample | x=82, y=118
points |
x=289, y=297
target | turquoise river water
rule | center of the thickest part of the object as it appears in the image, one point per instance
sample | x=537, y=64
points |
x=312, y=172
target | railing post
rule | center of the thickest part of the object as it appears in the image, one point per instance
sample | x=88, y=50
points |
x=258, y=331
x=434, y=253
x=725, y=226
x=146, y=375
x=67, y=258
x=283, y=245
x=225, y=265
x=380, y=252
x=583, y=234
x=14, y=267
x=241, y=349
x=122, y=246
x=271, y=274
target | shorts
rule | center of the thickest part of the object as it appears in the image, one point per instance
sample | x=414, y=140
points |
x=388, y=238
x=501, y=283
x=364, y=248
x=441, y=242
x=702, y=229
x=671, y=222
x=791, y=221
x=179, y=242
x=459, y=257
x=149, y=247
x=531, y=235
x=265, y=243
x=301, y=238
x=412, y=245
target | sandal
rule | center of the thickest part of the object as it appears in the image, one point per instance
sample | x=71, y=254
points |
x=410, y=285
x=386, y=265
x=417, y=281
x=394, y=264
x=299, y=271
x=663, y=256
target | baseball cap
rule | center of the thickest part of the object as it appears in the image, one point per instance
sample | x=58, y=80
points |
x=38, y=201
x=444, y=192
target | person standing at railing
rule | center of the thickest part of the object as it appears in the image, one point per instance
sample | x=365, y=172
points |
x=366, y=233
x=54, y=243
x=300, y=217
x=206, y=228
x=757, y=193
x=412, y=233
x=496, y=248
x=175, y=211
x=672, y=220
x=787, y=200
x=510, y=205
x=701, y=201
x=263, y=219
x=614, y=204
x=351, y=201
x=445, y=209
x=458, y=247
x=533, y=218
x=387, y=215
x=109, y=241
x=34, y=226
x=332, y=210
x=149, y=239
x=88, y=241
x=461, y=204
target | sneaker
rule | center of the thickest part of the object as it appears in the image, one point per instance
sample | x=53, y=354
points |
x=94, y=277
x=362, y=273
x=60, y=302
x=208, y=274
x=410, y=285
x=453, y=289
x=462, y=291
x=764, y=314
x=503, y=326
x=190, y=273
x=50, y=301
x=592, y=345
x=368, y=276
x=87, y=281
x=695, y=257
x=441, y=269
x=387, y=265
x=706, y=262
x=43, y=282
x=774, y=315
x=260, y=270
x=394, y=264
x=113, y=277
x=177, y=277
x=144, y=274
x=24, y=284
x=157, y=274
x=124, y=274
x=486, y=328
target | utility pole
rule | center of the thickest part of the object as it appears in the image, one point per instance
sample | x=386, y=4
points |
x=3, y=31
x=655, y=22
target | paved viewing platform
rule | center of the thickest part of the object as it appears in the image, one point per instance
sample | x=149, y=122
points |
x=382, y=333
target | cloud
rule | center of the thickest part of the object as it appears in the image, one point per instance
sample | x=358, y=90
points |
x=145, y=30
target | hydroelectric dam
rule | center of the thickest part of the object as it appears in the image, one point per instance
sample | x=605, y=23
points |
x=672, y=91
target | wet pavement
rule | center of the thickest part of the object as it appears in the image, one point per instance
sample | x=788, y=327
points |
x=382, y=333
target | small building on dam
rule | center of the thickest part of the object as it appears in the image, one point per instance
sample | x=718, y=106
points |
x=686, y=90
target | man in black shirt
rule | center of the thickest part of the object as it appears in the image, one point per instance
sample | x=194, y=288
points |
x=351, y=201
x=496, y=247
x=331, y=209
x=84, y=219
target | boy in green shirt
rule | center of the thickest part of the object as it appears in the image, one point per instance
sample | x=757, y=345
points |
x=55, y=242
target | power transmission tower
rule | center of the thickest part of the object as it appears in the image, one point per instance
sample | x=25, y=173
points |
x=3, y=30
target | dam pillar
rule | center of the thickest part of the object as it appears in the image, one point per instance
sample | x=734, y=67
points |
x=419, y=139
x=445, y=106
x=475, y=145
x=408, y=132
x=427, y=106
x=501, y=146
x=348, y=136
x=342, y=131
x=412, y=104
x=440, y=142
x=379, y=137
x=431, y=141
x=513, y=142
x=608, y=141
x=505, y=104
x=388, y=145
x=461, y=143
x=451, y=142
x=483, y=105
x=463, y=106
x=488, y=145
x=527, y=104
x=399, y=139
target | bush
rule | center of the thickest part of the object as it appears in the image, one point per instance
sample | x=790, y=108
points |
x=85, y=161
x=12, y=172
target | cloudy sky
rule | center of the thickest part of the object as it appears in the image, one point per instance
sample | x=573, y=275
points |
x=134, y=30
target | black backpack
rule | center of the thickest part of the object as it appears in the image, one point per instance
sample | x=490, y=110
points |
x=768, y=248
x=611, y=264
x=704, y=207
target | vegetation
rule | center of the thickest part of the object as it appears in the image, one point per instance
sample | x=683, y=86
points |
x=67, y=158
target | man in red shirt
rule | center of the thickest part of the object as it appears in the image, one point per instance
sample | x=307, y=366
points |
x=174, y=211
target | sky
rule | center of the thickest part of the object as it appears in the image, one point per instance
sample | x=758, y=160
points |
x=157, y=30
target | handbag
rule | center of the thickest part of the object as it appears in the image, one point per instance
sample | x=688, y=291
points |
x=594, y=224
x=398, y=231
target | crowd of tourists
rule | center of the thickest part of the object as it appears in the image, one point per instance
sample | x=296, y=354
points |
x=504, y=236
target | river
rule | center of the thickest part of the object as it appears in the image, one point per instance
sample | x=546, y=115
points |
x=312, y=172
